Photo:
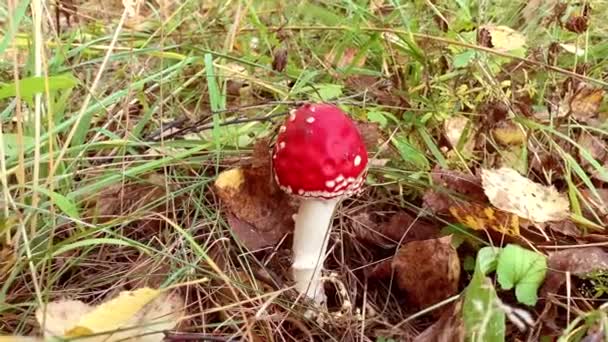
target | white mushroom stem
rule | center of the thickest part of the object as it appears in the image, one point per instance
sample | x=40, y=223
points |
x=312, y=225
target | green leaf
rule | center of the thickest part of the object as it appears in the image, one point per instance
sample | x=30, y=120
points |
x=377, y=117
x=326, y=91
x=63, y=203
x=30, y=86
x=487, y=259
x=483, y=317
x=523, y=269
x=463, y=59
x=410, y=154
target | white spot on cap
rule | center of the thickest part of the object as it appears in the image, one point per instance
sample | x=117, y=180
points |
x=313, y=109
x=301, y=192
x=357, y=160
x=310, y=119
x=330, y=184
x=292, y=115
x=340, y=178
x=282, y=145
x=282, y=129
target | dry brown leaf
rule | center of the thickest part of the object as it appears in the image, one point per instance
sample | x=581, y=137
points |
x=449, y=327
x=511, y=192
x=7, y=260
x=401, y=228
x=598, y=150
x=508, y=133
x=599, y=206
x=252, y=197
x=447, y=185
x=577, y=261
x=585, y=103
x=565, y=227
x=428, y=271
x=346, y=59
x=480, y=217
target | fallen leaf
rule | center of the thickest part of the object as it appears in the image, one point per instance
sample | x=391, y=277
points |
x=449, y=327
x=7, y=260
x=504, y=38
x=454, y=128
x=250, y=194
x=508, y=133
x=592, y=204
x=577, y=261
x=577, y=23
x=593, y=147
x=450, y=185
x=565, y=227
x=346, y=59
x=400, y=228
x=56, y=318
x=279, y=61
x=480, y=217
x=371, y=134
x=509, y=191
x=585, y=103
x=428, y=271
x=141, y=315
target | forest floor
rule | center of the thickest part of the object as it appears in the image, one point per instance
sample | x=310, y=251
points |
x=135, y=141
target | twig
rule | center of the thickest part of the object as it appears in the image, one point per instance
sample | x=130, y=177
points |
x=177, y=337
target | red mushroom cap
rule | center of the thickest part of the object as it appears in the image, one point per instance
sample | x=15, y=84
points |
x=319, y=153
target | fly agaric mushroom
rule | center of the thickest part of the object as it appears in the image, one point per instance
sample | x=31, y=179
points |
x=320, y=157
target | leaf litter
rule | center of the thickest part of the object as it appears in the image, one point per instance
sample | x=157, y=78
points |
x=260, y=214
x=139, y=315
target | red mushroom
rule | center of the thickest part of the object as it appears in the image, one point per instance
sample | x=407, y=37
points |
x=320, y=157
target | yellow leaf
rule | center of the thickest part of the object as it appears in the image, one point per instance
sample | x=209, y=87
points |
x=57, y=317
x=230, y=179
x=114, y=314
x=509, y=133
x=505, y=38
x=509, y=191
x=20, y=339
x=481, y=217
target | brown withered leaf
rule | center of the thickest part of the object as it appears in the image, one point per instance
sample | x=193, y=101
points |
x=483, y=217
x=279, y=61
x=577, y=261
x=599, y=206
x=577, y=24
x=565, y=227
x=507, y=132
x=371, y=134
x=251, y=196
x=447, y=185
x=597, y=148
x=381, y=91
x=346, y=59
x=449, y=327
x=428, y=270
x=585, y=103
x=400, y=228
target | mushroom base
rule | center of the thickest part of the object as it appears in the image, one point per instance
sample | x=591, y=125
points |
x=310, y=240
